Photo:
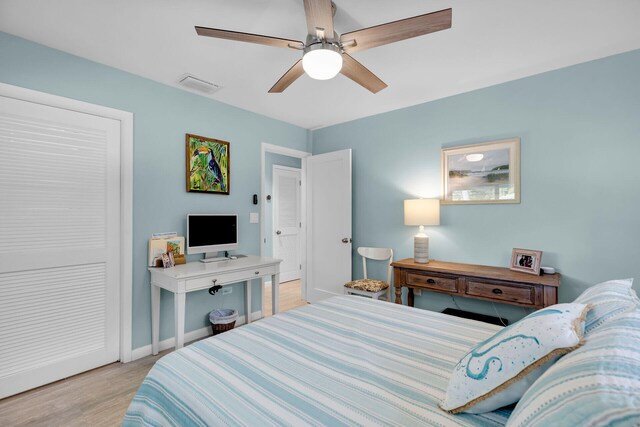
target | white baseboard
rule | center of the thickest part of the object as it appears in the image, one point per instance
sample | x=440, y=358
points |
x=168, y=343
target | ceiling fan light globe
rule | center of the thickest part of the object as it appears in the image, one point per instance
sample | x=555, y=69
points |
x=322, y=64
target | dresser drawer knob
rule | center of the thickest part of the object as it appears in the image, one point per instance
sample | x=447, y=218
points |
x=257, y=272
x=431, y=281
x=497, y=291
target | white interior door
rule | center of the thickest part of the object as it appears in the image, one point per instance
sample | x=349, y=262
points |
x=329, y=224
x=60, y=234
x=287, y=223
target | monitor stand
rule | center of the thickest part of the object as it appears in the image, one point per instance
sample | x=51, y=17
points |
x=214, y=257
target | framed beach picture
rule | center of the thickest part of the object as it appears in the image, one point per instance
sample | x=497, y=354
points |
x=482, y=173
x=207, y=165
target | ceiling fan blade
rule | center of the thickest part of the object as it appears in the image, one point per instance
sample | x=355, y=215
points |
x=395, y=31
x=361, y=74
x=288, y=78
x=249, y=38
x=319, y=17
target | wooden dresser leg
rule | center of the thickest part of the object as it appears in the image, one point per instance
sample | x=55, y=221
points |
x=410, y=298
x=398, y=294
x=550, y=295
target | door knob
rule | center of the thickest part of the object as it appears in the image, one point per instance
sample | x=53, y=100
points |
x=278, y=232
x=346, y=240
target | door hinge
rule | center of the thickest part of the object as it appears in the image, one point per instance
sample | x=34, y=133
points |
x=265, y=240
x=300, y=183
x=300, y=266
x=300, y=225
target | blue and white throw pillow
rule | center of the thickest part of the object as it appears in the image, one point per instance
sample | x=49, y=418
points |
x=597, y=385
x=498, y=371
x=608, y=300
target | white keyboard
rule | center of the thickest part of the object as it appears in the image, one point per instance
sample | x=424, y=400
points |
x=217, y=259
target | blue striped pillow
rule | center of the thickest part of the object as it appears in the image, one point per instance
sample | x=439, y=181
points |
x=595, y=385
x=608, y=300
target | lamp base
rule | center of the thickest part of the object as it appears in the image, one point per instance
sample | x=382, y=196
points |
x=421, y=249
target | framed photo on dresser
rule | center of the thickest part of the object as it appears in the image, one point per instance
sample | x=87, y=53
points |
x=526, y=261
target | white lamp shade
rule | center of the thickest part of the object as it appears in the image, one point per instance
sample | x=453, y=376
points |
x=422, y=212
x=322, y=64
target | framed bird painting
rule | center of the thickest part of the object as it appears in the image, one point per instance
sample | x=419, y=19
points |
x=207, y=165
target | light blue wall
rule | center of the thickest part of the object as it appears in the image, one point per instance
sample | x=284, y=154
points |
x=272, y=159
x=162, y=116
x=580, y=131
x=580, y=177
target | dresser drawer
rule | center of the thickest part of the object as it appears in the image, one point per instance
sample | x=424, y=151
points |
x=226, y=278
x=428, y=281
x=521, y=294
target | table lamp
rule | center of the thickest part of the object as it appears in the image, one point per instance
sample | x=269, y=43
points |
x=421, y=212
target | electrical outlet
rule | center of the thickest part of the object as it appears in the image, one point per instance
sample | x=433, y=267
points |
x=416, y=292
x=227, y=290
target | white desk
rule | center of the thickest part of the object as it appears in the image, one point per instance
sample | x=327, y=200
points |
x=195, y=276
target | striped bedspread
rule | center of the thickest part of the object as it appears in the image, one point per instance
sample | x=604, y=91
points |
x=346, y=361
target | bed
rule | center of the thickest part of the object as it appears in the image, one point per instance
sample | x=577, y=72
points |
x=345, y=361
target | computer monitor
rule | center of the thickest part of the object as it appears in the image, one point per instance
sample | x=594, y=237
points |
x=211, y=233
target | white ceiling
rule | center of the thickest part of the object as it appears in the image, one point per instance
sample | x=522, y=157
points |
x=490, y=42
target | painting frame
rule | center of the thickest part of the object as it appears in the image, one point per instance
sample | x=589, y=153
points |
x=456, y=192
x=214, y=177
x=526, y=261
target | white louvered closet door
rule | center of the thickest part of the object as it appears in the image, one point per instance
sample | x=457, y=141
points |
x=59, y=243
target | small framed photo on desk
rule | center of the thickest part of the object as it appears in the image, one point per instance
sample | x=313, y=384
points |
x=168, y=260
x=526, y=261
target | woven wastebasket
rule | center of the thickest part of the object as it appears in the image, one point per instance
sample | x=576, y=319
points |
x=222, y=320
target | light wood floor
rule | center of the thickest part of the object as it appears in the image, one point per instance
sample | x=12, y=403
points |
x=100, y=397
x=96, y=398
x=290, y=297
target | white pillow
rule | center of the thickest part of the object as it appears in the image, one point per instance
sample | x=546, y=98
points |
x=498, y=371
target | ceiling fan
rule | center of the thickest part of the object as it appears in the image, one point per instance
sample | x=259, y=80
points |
x=325, y=53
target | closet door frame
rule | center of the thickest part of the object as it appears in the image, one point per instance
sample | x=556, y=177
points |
x=126, y=192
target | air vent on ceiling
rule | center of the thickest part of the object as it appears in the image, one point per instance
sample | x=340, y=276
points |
x=198, y=84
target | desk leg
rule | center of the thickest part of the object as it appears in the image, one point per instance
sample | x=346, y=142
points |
x=247, y=302
x=179, y=302
x=275, y=292
x=155, y=318
x=398, y=290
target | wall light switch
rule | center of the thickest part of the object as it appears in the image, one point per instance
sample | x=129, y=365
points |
x=254, y=218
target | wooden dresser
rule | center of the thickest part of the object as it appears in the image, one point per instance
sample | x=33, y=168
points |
x=495, y=284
